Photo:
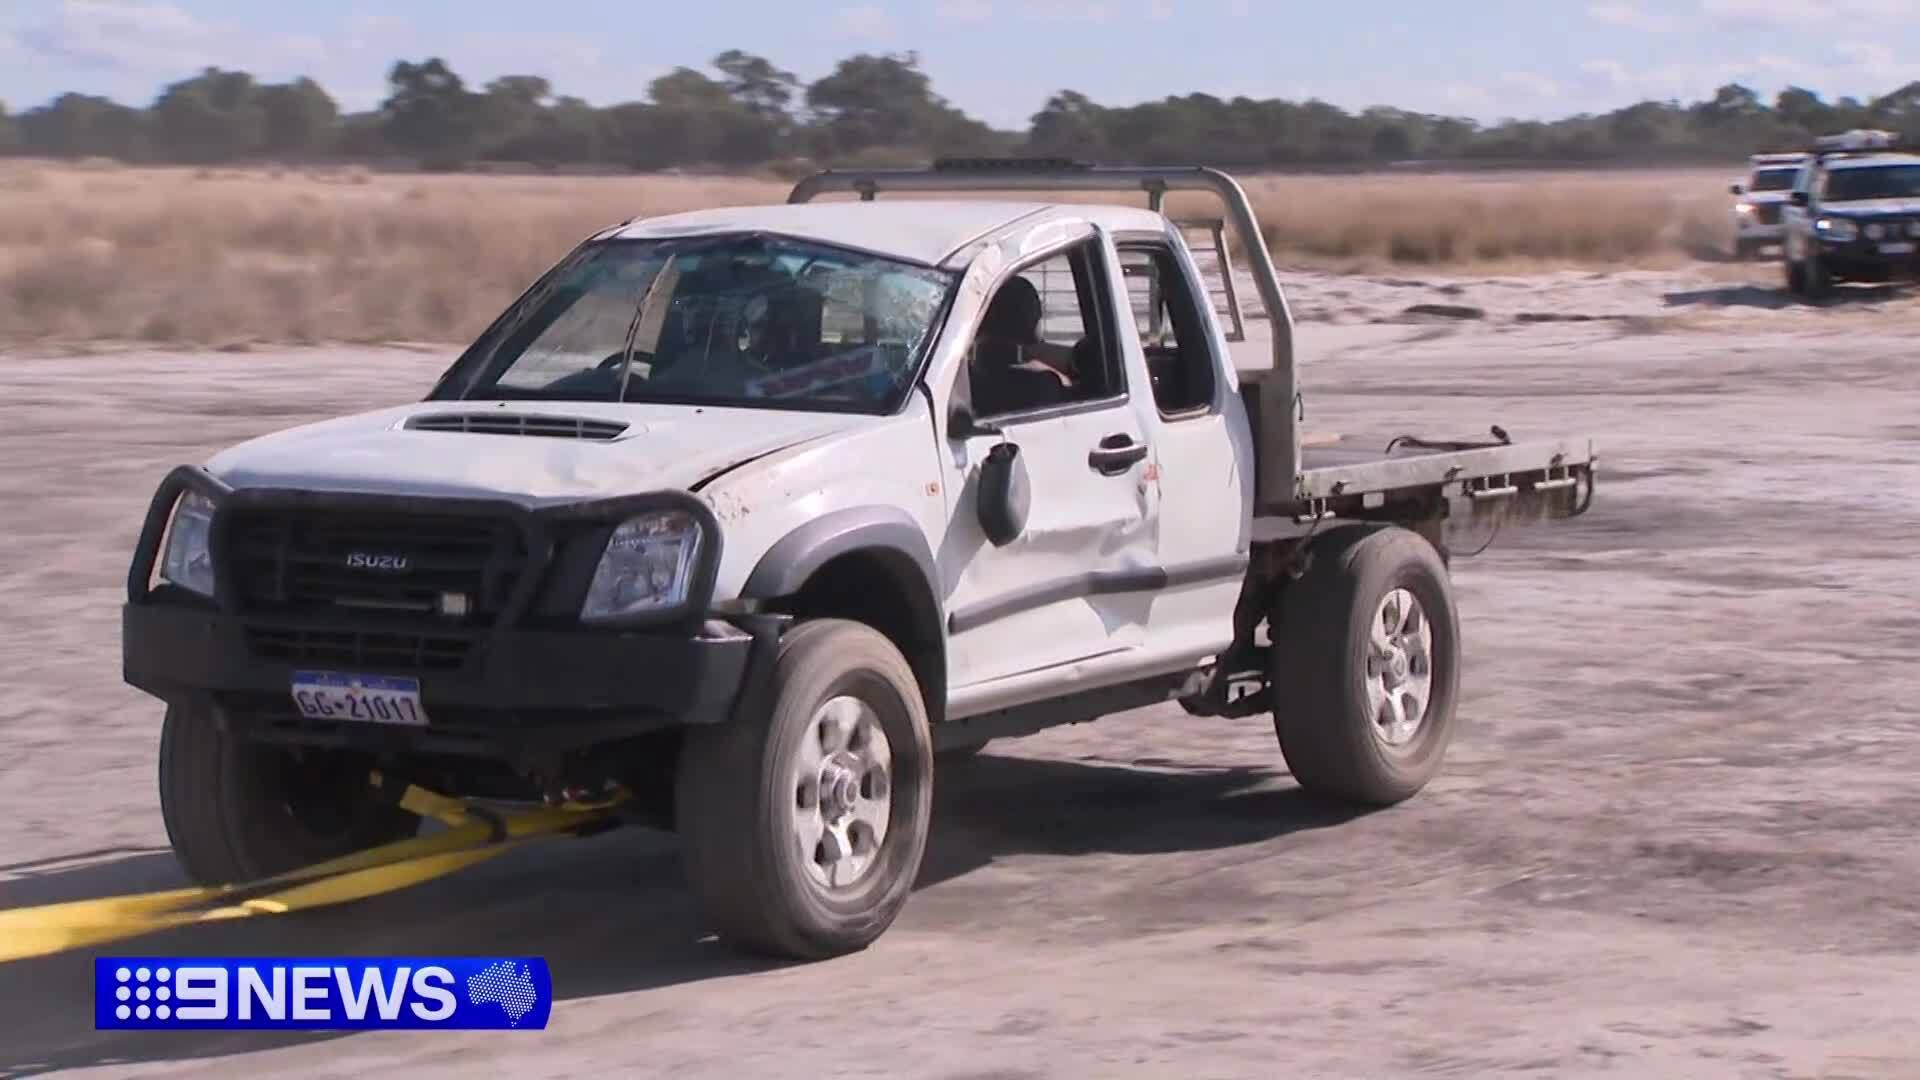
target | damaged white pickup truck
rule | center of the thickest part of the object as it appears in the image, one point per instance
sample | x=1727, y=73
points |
x=745, y=512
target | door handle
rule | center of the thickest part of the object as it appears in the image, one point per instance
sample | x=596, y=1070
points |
x=1115, y=455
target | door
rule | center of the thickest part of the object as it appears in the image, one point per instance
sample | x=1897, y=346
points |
x=1204, y=456
x=1075, y=584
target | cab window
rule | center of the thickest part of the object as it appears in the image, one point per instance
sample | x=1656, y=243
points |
x=1172, y=329
x=1045, y=340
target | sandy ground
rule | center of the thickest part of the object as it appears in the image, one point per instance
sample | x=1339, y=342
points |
x=1675, y=837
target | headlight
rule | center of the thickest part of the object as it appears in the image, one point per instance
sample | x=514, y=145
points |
x=1744, y=208
x=1840, y=229
x=189, y=561
x=648, y=566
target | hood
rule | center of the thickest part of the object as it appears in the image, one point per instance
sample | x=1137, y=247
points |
x=661, y=447
x=1765, y=198
x=1872, y=207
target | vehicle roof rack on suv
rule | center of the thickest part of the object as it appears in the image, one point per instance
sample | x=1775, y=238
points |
x=1857, y=141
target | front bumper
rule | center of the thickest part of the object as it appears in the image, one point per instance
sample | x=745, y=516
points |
x=1878, y=260
x=520, y=684
x=518, y=694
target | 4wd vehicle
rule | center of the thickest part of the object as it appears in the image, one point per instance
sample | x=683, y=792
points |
x=1853, y=214
x=748, y=511
x=1761, y=201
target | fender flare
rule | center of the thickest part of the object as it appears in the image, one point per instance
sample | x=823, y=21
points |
x=787, y=565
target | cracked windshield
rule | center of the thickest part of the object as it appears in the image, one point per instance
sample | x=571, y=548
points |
x=746, y=320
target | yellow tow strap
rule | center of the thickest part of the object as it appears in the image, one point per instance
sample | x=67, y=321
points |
x=474, y=835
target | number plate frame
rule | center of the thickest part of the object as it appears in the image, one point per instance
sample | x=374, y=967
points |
x=390, y=700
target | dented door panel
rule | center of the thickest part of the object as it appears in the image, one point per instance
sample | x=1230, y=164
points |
x=1077, y=583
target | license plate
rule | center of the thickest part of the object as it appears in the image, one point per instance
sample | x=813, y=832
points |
x=1901, y=248
x=370, y=699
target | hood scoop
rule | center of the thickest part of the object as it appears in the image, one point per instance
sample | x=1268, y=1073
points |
x=507, y=423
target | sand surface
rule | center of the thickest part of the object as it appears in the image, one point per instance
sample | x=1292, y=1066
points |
x=1674, y=838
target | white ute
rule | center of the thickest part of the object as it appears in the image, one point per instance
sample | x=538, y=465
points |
x=747, y=512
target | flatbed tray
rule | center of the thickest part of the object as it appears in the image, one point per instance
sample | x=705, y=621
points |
x=1353, y=468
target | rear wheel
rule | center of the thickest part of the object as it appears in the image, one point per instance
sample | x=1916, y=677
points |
x=238, y=812
x=1366, y=651
x=803, y=829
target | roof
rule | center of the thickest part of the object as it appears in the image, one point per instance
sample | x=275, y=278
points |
x=1871, y=161
x=926, y=231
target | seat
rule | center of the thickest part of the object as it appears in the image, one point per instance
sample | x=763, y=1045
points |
x=1002, y=377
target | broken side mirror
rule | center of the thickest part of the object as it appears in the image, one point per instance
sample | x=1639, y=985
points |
x=1004, y=496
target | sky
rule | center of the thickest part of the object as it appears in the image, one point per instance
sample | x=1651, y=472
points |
x=1001, y=59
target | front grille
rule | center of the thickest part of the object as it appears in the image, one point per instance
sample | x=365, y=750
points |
x=1767, y=213
x=358, y=649
x=391, y=565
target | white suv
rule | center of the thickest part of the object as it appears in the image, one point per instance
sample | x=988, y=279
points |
x=1761, y=200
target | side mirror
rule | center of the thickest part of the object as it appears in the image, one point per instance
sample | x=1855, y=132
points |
x=961, y=423
x=1799, y=198
x=1738, y=189
x=1004, y=496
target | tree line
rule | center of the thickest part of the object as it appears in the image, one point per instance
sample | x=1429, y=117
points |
x=744, y=111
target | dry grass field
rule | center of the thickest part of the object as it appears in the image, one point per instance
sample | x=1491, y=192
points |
x=225, y=258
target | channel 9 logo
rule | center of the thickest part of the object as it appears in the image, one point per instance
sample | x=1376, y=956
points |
x=338, y=993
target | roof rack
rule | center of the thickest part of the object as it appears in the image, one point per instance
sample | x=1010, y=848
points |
x=1857, y=141
x=1066, y=174
x=1281, y=393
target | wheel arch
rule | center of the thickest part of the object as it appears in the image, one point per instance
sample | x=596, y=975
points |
x=827, y=568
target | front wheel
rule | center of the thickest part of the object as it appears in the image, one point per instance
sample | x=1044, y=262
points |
x=1366, y=649
x=803, y=829
x=1818, y=280
x=238, y=812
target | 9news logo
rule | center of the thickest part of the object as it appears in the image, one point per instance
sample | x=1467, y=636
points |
x=339, y=993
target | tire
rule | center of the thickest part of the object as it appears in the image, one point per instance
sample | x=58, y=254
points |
x=237, y=812
x=744, y=791
x=1819, y=279
x=1796, y=277
x=1818, y=282
x=1744, y=249
x=1325, y=712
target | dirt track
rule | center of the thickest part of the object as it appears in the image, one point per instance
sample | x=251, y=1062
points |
x=1675, y=837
